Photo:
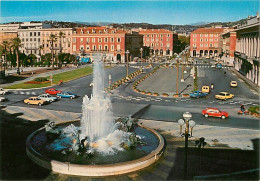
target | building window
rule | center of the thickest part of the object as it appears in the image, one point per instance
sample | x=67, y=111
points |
x=201, y=39
x=68, y=45
x=161, y=44
x=216, y=35
x=216, y=39
x=206, y=45
x=22, y=39
x=106, y=48
x=39, y=33
x=74, y=47
x=112, y=47
x=87, y=47
x=99, y=40
x=168, y=35
x=93, y=40
x=211, y=45
x=194, y=39
x=211, y=35
x=26, y=39
x=118, y=39
x=74, y=40
x=147, y=35
x=112, y=40
x=201, y=45
x=206, y=35
x=201, y=35
x=194, y=35
x=151, y=35
x=161, y=35
x=100, y=47
x=30, y=39
x=34, y=39
x=94, y=47
x=39, y=39
x=215, y=45
x=30, y=33
x=34, y=33
x=157, y=35
x=87, y=40
x=81, y=40
x=194, y=45
x=106, y=40
x=206, y=39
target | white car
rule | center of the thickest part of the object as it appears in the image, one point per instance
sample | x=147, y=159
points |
x=47, y=97
x=2, y=99
x=3, y=91
x=91, y=84
x=233, y=83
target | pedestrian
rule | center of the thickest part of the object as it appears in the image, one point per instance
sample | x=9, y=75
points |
x=242, y=108
x=212, y=86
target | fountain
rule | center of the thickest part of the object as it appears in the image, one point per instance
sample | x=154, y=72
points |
x=97, y=145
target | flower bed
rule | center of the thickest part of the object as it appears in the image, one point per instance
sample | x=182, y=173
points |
x=165, y=95
x=185, y=95
x=175, y=95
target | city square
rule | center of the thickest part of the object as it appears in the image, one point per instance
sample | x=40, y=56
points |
x=129, y=101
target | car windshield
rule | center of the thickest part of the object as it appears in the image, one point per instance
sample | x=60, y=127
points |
x=222, y=94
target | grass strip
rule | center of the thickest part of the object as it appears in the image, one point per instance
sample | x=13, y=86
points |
x=65, y=76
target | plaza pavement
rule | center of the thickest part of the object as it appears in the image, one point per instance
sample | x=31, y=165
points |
x=168, y=168
x=164, y=81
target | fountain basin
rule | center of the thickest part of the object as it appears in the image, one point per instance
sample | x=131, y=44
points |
x=122, y=163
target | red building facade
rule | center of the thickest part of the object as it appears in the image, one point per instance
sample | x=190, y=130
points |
x=228, y=47
x=110, y=41
x=206, y=42
x=160, y=41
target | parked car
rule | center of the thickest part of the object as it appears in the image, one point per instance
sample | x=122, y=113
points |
x=219, y=65
x=224, y=96
x=214, y=112
x=2, y=99
x=198, y=94
x=34, y=100
x=66, y=95
x=47, y=97
x=205, y=89
x=52, y=91
x=91, y=84
x=233, y=83
x=3, y=91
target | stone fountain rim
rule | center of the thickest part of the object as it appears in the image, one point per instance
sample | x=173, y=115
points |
x=95, y=170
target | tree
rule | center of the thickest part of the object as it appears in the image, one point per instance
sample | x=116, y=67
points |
x=46, y=59
x=31, y=59
x=16, y=43
x=61, y=35
x=52, y=39
x=5, y=45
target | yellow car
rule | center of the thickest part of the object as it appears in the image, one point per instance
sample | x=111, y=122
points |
x=224, y=96
x=205, y=89
x=34, y=100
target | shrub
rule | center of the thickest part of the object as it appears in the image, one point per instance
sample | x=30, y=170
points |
x=254, y=109
x=40, y=79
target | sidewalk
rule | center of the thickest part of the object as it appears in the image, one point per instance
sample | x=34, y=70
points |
x=246, y=80
x=44, y=73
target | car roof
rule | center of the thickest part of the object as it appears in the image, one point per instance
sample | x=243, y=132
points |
x=224, y=92
x=212, y=108
x=33, y=97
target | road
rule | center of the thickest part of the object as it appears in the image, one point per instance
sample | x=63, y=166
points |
x=126, y=102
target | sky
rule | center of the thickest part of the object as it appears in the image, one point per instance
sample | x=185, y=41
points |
x=175, y=12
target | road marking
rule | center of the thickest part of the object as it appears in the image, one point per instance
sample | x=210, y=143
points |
x=21, y=92
x=33, y=93
x=27, y=93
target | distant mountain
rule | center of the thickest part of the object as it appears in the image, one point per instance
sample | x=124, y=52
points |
x=199, y=23
x=94, y=23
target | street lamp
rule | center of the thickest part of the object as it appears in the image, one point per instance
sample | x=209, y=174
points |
x=141, y=50
x=189, y=123
x=127, y=52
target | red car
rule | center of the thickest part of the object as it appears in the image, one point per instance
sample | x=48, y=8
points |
x=214, y=112
x=52, y=91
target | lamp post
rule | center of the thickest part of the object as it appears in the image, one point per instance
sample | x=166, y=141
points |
x=182, y=69
x=189, y=123
x=127, y=52
x=177, y=81
x=141, y=50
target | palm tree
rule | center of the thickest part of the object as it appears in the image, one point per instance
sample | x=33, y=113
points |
x=16, y=43
x=5, y=45
x=40, y=51
x=61, y=35
x=52, y=39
